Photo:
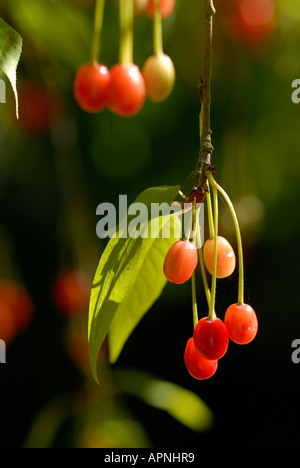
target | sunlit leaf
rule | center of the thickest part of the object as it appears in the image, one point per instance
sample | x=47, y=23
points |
x=10, y=53
x=182, y=404
x=128, y=280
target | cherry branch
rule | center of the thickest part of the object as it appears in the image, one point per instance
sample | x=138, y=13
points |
x=206, y=148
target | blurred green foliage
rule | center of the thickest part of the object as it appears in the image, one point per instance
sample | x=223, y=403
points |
x=58, y=163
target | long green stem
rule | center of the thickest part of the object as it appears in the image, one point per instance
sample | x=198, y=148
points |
x=194, y=300
x=202, y=267
x=238, y=237
x=157, y=31
x=126, y=13
x=210, y=215
x=195, y=230
x=211, y=313
x=195, y=214
x=98, y=23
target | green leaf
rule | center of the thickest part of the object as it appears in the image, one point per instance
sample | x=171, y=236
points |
x=182, y=404
x=10, y=53
x=128, y=280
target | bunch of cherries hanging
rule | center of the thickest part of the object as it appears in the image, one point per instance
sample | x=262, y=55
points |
x=210, y=339
x=124, y=87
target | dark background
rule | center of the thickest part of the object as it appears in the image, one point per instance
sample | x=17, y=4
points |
x=54, y=174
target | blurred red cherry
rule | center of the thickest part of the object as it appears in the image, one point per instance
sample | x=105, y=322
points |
x=16, y=310
x=91, y=85
x=251, y=22
x=71, y=292
x=8, y=328
x=167, y=7
x=39, y=107
x=18, y=301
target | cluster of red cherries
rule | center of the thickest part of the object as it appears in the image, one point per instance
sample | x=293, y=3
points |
x=210, y=339
x=124, y=87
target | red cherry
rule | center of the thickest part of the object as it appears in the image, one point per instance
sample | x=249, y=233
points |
x=127, y=90
x=225, y=257
x=71, y=292
x=39, y=107
x=250, y=21
x=15, y=298
x=166, y=8
x=241, y=323
x=180, y=262
x=211, y=338
x=91, y=87
x=8, y=329
x=197, y=366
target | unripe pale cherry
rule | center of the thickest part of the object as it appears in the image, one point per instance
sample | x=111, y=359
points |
x=140, y=7
x=197, y=366
x=180, y=262
x=241, y=323
x=159, y=75
x=91, y=87
x=211, y=338
x=225, y=257
x=127, y=90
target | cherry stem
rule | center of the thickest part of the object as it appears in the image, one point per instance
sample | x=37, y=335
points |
x=98, y=24
x=226, y=197
x=209, y=207
x=210, y=215
x=196, y=235
x=212, y=313
x=157, y=30
x=126, y=12
x=203, y=271
x=194, y=300
x=205, y=142
x=192, y=230
x=195, y=213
